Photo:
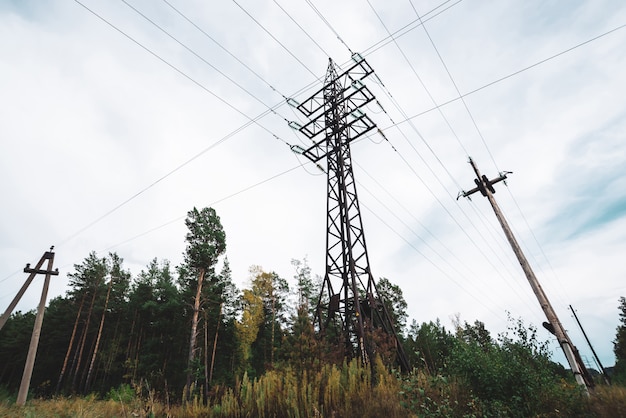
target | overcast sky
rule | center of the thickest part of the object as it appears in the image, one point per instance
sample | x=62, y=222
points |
x=118, y=117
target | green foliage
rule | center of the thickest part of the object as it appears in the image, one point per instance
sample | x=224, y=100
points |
x=437, y=396
x=514, y=376
x=123, y=393
x=619, y=345
x=396, y=305
x=14, y=342
x=301, y=344
x=206, y=239
x=429, y=346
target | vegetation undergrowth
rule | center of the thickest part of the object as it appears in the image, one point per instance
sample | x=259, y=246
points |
x=330, y=391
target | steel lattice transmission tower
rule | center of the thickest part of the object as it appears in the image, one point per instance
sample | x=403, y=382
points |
x=349, y=309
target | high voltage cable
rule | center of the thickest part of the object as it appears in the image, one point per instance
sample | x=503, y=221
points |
x=480, y=134
x=241, y=128
x=302, y=29
x=480, y=216
x=9, y=276
x=201, y=58
x=407, y=28
x=432, y=42
x=455, y=86
x=321, y=16
x=250, y=122
x=170, y=222
x=513, y=74
x=271, y=109
x=458, y=140
x=215, y=202
x=488, y=259
x=408, y=227
x=222, y=47
x=397, y=105
x=275, y=39
x=410, y=244
x=417, y=75
x=449, y=251
x=247, y=67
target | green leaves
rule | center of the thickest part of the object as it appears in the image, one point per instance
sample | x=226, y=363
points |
x=619, y=345
x=206, y=239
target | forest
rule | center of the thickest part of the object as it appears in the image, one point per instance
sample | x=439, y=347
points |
x=185, y=341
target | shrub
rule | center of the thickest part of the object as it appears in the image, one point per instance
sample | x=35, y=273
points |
x=514, y=377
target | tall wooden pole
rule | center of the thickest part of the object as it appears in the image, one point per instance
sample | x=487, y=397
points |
x=485, y=186
x=34, y=340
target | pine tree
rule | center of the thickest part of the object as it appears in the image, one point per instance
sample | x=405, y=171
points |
x=206, y=241
x=619, y=344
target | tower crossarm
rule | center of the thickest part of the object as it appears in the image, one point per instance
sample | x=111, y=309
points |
x=350, y=77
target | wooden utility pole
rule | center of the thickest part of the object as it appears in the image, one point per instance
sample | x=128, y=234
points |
x=604, y=374
x=485, y=187
x=33, y=272
x=34, y=340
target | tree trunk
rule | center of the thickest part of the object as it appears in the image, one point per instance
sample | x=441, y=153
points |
x=130, y=336
x=115, y=342
x=273, y=326
x=217, y=327
x=84, y=337
x=206, y=357
x=71, y=344
x=194, y=330
x=95, y=350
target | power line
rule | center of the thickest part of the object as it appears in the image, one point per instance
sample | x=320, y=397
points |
x=321, y=16
x=215, y=202
x=397, y=105
x=302, y=29
x=275, y=39
x=455, y=87
x=408, y=28
x=512, y=74
x=458, y=140
x=432, y=193
x=272, y=110
x=432, y=42
x=228, y=136
x=256, y=74
x=406, y=59
x=410, y=244
x=408, y=227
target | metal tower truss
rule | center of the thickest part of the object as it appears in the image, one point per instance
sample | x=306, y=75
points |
x=349, y=309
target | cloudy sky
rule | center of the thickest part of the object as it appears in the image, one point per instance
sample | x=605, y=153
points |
x=118, y=117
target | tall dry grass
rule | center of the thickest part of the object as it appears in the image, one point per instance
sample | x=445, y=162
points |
x=332, y=391
x=608, y=402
